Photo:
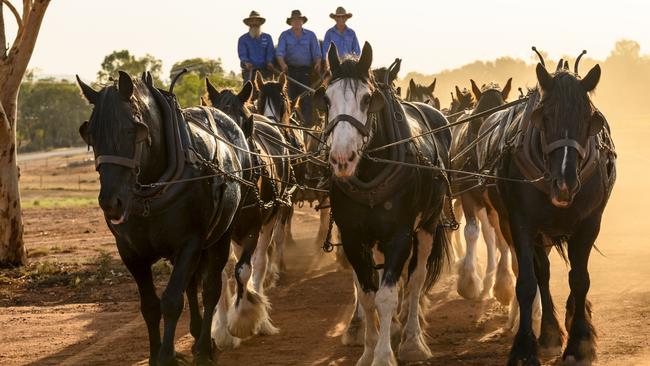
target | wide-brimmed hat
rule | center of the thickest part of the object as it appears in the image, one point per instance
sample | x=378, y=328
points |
x=340, y=11
x=296, y=14
x=254, y=16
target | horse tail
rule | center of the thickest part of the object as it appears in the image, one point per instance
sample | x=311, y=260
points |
x=439, y=255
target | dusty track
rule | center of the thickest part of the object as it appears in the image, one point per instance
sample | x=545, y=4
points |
x=100, y=324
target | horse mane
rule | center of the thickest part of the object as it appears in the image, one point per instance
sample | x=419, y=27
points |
x=349, y=72
x=108, y=112
x=490, y=86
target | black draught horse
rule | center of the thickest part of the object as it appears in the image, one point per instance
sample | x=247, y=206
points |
x=257, y=226
x=386, y=213
x=559, y=135
x=140, y=137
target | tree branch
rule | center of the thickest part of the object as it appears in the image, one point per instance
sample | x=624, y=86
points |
x=19, y=20
x=21, y=51
x=3, y=36
x=27, y=7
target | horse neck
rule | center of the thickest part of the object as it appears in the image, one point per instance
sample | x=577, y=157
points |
x=154, y=155
x=486, y=102
x=367, y=169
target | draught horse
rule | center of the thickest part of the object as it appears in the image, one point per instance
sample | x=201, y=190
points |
x=559, y=135
x=140, y=136
x=386, y=213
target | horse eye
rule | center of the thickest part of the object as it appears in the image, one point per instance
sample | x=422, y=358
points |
x=327, y=101
x=366, y=100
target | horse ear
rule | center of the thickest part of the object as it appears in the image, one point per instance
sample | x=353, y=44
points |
x=591, y=80
x=544, y=79
x=395, y=70
x=376, y=102
x=411, y=84
x=213, y=93
x=537, y=118
x=259, y=80
x=459, y=94
x=333, y=57
x=89, y=93
x=125, y=85
x=282, y=79
x=436, y=103
x=475, y=90
x=596, y=123
x=432, y=87
x=246, y=92
x=399, y=91
x=365, y=60
x=83, y=131
x=149, y=80
x=506, y=89
x=248, y=125
x=319, y=99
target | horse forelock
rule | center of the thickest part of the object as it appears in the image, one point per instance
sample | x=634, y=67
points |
x=566, y=102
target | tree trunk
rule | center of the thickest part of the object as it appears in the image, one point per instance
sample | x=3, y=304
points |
x=12, y=69
x=12, y=248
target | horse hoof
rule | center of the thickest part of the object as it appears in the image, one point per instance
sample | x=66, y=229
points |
x=469, y=284
x=384, y=360
x=550, y=352
x=245, y=318
x=504, y=289
x=414, y=349
x=571, y=361
x=530, y=361
x=354, y=334
x=224, y=340
x=267, y=328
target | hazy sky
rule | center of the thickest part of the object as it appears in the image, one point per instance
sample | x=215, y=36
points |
x=429, y=35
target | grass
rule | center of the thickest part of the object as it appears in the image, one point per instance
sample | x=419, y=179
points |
x=60, y=202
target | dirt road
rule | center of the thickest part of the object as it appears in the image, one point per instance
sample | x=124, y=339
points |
x=97, y=322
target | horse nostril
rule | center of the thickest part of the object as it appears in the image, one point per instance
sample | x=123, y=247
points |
x=352, y=156
x=118, y=203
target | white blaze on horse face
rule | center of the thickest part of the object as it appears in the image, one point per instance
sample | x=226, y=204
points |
x=268, y=110
x=345, y=140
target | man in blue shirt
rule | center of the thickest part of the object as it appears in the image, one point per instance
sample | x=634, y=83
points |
x=299, y=54
x=255, y=49
x=343, y=37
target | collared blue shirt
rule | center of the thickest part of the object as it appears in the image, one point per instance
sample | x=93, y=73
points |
x=257, y=51
x=303, y=51
x=346, y=42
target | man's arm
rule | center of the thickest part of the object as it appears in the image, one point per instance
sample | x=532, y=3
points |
x=355, y=44
x=315, y=53
x=242, y=50
x=326, y=43
x=281, y=52
x=270, y=53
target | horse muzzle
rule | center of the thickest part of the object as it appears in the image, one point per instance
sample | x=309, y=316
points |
x=344, y=165
x=562, y=194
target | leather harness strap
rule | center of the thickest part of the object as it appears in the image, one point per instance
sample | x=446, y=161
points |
x=360, y=126
x=548, y=148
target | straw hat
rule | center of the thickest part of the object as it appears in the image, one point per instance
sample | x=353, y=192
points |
x=254, y=16
x=340, y=11
x=296, y=14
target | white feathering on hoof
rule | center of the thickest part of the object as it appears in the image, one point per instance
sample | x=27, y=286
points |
x=245, y=318
x=272, y=276
x=469, y=283
x=414, y=348
x=220, y=334
x=354, y=333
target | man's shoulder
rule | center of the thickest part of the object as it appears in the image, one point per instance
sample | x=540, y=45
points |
x=309, y=33
x=351, y=31
x=244, y=36
x=266, y=35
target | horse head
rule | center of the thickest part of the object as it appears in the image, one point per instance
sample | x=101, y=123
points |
x=125, y=133
x=566, y=118
x=349, y=99
x=422, y=93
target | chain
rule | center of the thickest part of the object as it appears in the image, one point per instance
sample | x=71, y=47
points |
x=328, y=246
